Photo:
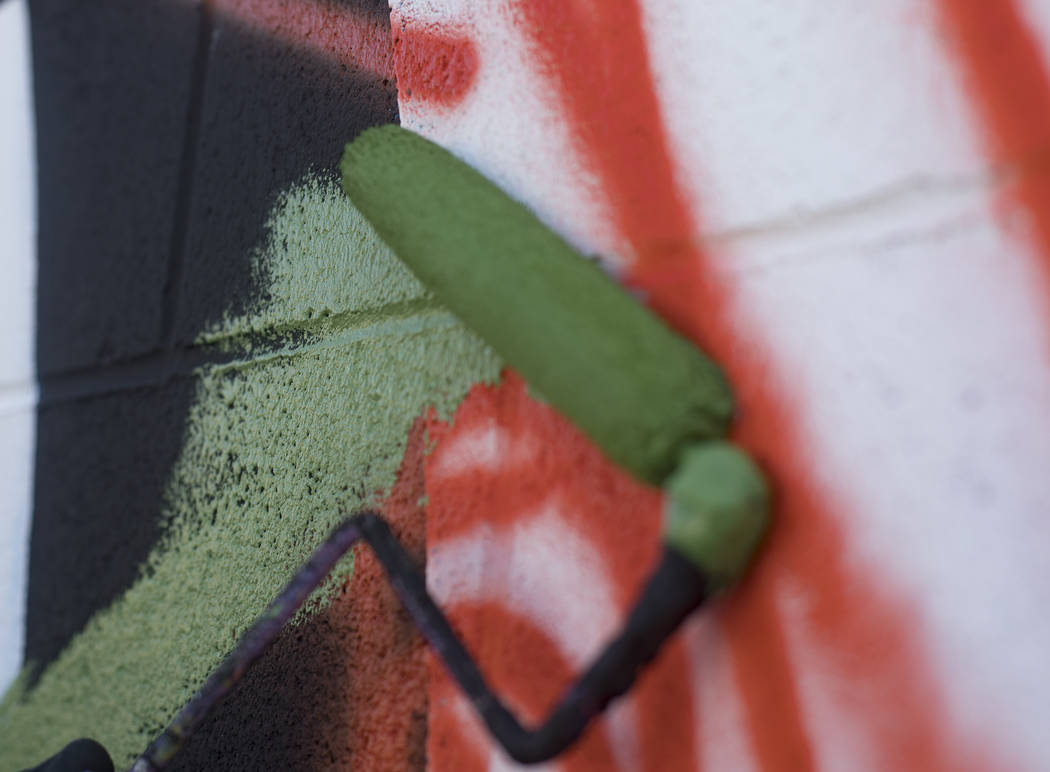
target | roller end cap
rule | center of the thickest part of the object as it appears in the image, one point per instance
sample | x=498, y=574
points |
x=717, y=511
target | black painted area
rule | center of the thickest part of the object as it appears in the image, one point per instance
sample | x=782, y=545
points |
x=159, y=163
x=101, y=467
x=290, y=712
x=272, y=111
x=111, y=84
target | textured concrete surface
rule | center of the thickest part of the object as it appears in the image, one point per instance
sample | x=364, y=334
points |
x=157, y=198
x=267, y=110
x=308, y=418
x=91, y=533
x=308, y=704
x=847, y=206
x=109, y=152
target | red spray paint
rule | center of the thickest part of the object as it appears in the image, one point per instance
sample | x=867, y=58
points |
x=597, y=63
x=383, y=652
x=615, y=513
x=433, y=64
x=601, y=69
x=1010, y=88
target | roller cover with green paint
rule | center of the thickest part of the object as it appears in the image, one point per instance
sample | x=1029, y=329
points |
x=717, y=510
x=637, y=389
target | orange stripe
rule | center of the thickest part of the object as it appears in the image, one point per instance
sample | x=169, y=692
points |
x=1010, y=87
x=667, y=721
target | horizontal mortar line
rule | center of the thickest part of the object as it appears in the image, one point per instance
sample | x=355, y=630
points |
x=159, y=367
x=952, y=226
x=20, y=401
x=915, y=223
x=149, y=370
x=17, y=385
x=874, y=206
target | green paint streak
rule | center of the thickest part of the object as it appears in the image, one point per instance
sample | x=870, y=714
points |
x=337, y=363
x=717, y=510
x=640, y=391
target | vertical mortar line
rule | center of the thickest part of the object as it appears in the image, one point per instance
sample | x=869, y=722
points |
x=184, y=189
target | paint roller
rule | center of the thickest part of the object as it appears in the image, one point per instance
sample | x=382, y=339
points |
x=648, y=398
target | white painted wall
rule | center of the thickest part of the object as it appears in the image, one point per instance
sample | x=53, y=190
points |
x=18, y=392
x=834, y=158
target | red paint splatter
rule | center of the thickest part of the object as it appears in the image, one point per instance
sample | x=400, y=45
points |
x=1010, y=86
x=434, y=65
x=549, y=460
x=430, y=63
x=499, y=496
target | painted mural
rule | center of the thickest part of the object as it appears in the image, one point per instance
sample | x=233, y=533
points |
x=847, y=207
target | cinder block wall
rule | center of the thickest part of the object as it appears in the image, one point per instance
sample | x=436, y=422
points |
x=848, y=207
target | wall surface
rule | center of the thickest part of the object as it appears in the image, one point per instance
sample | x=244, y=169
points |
x=846, y=205
x=17, y=291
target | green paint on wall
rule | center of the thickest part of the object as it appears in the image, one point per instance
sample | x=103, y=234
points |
x=322, y=260
x=640, y=391
x=311, y=419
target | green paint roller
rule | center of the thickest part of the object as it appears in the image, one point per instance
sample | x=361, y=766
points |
x=646, y=396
